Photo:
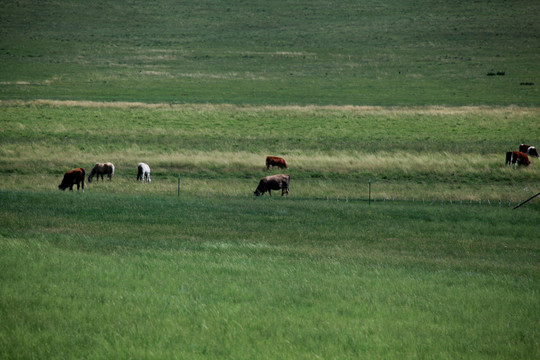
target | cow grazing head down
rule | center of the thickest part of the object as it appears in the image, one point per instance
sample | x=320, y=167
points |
x=72, y=177
x=516, y=158
x=273, y=182
x=275, y=161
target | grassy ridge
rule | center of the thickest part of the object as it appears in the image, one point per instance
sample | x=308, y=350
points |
x=124, y=276
x=353, y=52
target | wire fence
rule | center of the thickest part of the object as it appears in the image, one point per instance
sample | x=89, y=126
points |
x=424, y=201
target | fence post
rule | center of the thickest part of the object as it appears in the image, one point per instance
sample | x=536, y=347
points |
x=178, y=185
x=529, y=199
x=369, y=198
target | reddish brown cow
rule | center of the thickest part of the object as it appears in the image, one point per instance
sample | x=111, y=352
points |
x=273, y=182
x=529, y=150
x=72, y=177
x=516, y=158
x=275, y=161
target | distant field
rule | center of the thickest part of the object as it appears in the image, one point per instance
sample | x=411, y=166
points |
x=280, y=52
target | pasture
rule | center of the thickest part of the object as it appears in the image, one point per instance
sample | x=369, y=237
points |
x=422, y=98
x=132, y=270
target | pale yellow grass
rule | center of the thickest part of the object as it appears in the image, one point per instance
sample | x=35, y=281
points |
x=408, y=168
x=339, y=162
x=387, y=111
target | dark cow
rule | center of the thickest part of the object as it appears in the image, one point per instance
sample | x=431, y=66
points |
x=72, y=177
x=529, y=150
x=275, y=161
x=516, y=158
x=273, y=182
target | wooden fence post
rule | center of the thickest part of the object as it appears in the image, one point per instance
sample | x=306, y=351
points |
x=369, y=198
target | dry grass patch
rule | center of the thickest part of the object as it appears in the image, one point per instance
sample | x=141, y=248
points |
x=383, y=111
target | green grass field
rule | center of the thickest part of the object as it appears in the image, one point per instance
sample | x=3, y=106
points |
x=440, y=266
x=436, y=266
x=118, y=276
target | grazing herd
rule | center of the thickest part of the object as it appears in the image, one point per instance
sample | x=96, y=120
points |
x=266, y=184
x=521, y=157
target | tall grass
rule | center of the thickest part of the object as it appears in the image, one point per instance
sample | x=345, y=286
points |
x=101, y=275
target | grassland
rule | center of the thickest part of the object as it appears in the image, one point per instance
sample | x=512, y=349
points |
x=440, y=266
x=131, y=270
x=117, y=276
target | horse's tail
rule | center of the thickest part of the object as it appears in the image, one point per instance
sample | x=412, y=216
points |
x=112, y=170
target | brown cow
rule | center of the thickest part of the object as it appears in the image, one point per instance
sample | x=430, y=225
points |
x=275, y=161
x=516, y=158
x=273, y=182
x=72, y=177
x=529, y=150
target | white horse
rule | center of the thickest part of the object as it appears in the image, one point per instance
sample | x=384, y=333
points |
x=101, y=169
x=143, y=170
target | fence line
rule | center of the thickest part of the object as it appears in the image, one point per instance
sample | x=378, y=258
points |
x=424, y=201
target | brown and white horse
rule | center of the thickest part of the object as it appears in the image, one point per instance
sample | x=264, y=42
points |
x=102, y=169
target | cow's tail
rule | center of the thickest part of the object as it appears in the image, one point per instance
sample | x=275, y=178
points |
x=83, y=176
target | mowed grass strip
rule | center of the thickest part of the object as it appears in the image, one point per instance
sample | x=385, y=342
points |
x=101, y=275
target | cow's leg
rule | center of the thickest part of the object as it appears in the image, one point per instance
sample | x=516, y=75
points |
x=270, y=192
